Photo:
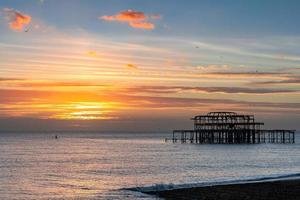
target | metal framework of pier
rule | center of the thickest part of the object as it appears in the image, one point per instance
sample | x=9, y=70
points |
x=231, y=128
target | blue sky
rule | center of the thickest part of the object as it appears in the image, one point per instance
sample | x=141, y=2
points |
x=228, y=18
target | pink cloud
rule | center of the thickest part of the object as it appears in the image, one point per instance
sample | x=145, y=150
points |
x=127, y=15
x=135, y=19
x=16, y=19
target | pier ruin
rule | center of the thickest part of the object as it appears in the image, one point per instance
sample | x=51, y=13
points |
x=231, y=128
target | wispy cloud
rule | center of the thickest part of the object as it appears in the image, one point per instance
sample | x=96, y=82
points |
x=242, y=75
x=135, y=19
x=87, y=105
x=228, y=71
x=288, y=80
x=3, y=79
x=16, y=19
x=20, y=83
x=213, y=68
x=151, y=90
x=229, y=90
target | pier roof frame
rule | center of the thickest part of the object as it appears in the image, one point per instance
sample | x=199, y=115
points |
x=224, y=119
x=222, y=114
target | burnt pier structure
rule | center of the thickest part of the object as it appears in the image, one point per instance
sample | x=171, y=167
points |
x=231, y=128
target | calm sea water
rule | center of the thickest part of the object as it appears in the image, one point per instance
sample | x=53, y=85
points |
x=98, y=166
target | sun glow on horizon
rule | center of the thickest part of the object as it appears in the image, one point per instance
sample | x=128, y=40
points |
x=87, y=111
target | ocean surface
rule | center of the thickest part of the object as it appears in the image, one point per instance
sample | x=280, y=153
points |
x=102, y=166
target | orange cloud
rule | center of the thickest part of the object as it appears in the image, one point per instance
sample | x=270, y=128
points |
x=17, y=20
x=135, y=19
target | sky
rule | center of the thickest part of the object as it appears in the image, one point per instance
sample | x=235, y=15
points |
x=132, y=65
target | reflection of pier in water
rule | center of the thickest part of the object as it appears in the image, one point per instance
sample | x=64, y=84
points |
x=231, y=128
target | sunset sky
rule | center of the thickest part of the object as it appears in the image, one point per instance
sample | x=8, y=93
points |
x=124, y=65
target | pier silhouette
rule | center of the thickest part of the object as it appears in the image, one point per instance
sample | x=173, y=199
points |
x=231, y=128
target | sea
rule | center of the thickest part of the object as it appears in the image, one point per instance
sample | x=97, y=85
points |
x=83, y=165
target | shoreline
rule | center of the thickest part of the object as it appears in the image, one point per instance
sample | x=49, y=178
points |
x=254, y=179
x=287, y=189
